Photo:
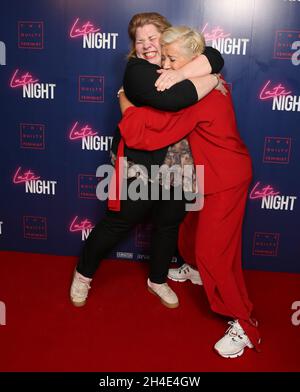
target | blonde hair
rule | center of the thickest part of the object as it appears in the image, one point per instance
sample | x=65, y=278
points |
x=142, y=19
x=191, y=41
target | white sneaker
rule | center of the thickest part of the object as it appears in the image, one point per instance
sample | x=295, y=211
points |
x=79, y=289
x=166, y=294
x=234, y=341
x=183, y=273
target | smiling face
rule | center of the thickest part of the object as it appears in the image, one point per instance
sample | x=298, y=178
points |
x=147, y=44
x=174, y=56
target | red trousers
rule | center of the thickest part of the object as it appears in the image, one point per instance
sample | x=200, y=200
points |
x=211, y=239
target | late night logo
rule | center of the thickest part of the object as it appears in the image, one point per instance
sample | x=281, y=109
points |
x=33, y=183
x=90, y=140
x=31, y=35
x=83, y=226
x=92, y=37
x=2, y=53
x=31, y=87
x=271, y=198
x=219, y=39
x=281, y=97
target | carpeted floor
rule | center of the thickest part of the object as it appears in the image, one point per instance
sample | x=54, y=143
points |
x=124, y=328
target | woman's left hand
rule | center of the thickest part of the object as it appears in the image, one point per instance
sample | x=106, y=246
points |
x=167, y=79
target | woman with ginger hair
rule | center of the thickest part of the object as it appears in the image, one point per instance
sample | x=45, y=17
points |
x=141, y=74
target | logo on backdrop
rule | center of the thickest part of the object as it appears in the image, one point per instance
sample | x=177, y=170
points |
x=92, y=37
x=87, y=184
x=287, y=46
x=90, y=140
x=31, y=35
x=265, y=244
x=281, y=96
x=277, y=149
x=31, y=87
x=33, y=183
x=124, y=255
x=143, y=235
x=2, y=53
x=32, y=136
x=84, y=226
x=296, y=315
x=222, y=40
x=35, y=227
x=271, y=198
x=91, y=88
x=1, y=230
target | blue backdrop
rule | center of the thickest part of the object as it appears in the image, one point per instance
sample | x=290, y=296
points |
x=61, y=65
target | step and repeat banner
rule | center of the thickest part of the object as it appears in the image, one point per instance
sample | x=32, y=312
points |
x=61, y=65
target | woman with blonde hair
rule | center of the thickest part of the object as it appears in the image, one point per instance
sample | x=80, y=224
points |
x=210, y=238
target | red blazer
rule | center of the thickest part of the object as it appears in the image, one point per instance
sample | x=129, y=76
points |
x=212, y=133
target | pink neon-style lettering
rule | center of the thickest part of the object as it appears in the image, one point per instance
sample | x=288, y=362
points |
x=265, y=191
x=83, y=225
x=22, y=81
x=27, y=176
x=85, y=29
x=82, y=132
x=215, y=33
x=276, y=91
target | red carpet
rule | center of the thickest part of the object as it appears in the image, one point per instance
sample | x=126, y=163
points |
x=125, y=328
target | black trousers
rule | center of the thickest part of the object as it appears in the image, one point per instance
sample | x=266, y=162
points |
x=165, y=215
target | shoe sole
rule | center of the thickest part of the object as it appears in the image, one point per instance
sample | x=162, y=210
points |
x=184, y=280
x=167, y=304
x=78, y=304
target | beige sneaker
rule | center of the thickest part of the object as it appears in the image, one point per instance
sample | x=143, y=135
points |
x=79, y=289
x=166, y=294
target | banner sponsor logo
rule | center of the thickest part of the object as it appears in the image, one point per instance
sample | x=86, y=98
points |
x=224, y=42
x=31, y=35
x=287, y=45
x=143, y=235
x=87, y=184
x=35, y=227
x=32, y=136
x=277, y=150
x=91, y=89
x=92, y=36
x=265, y=244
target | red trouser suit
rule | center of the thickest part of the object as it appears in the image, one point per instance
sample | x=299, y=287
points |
x=210, y=238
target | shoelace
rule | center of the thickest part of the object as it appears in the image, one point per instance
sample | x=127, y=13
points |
x=184, y=268
x=234, y=332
